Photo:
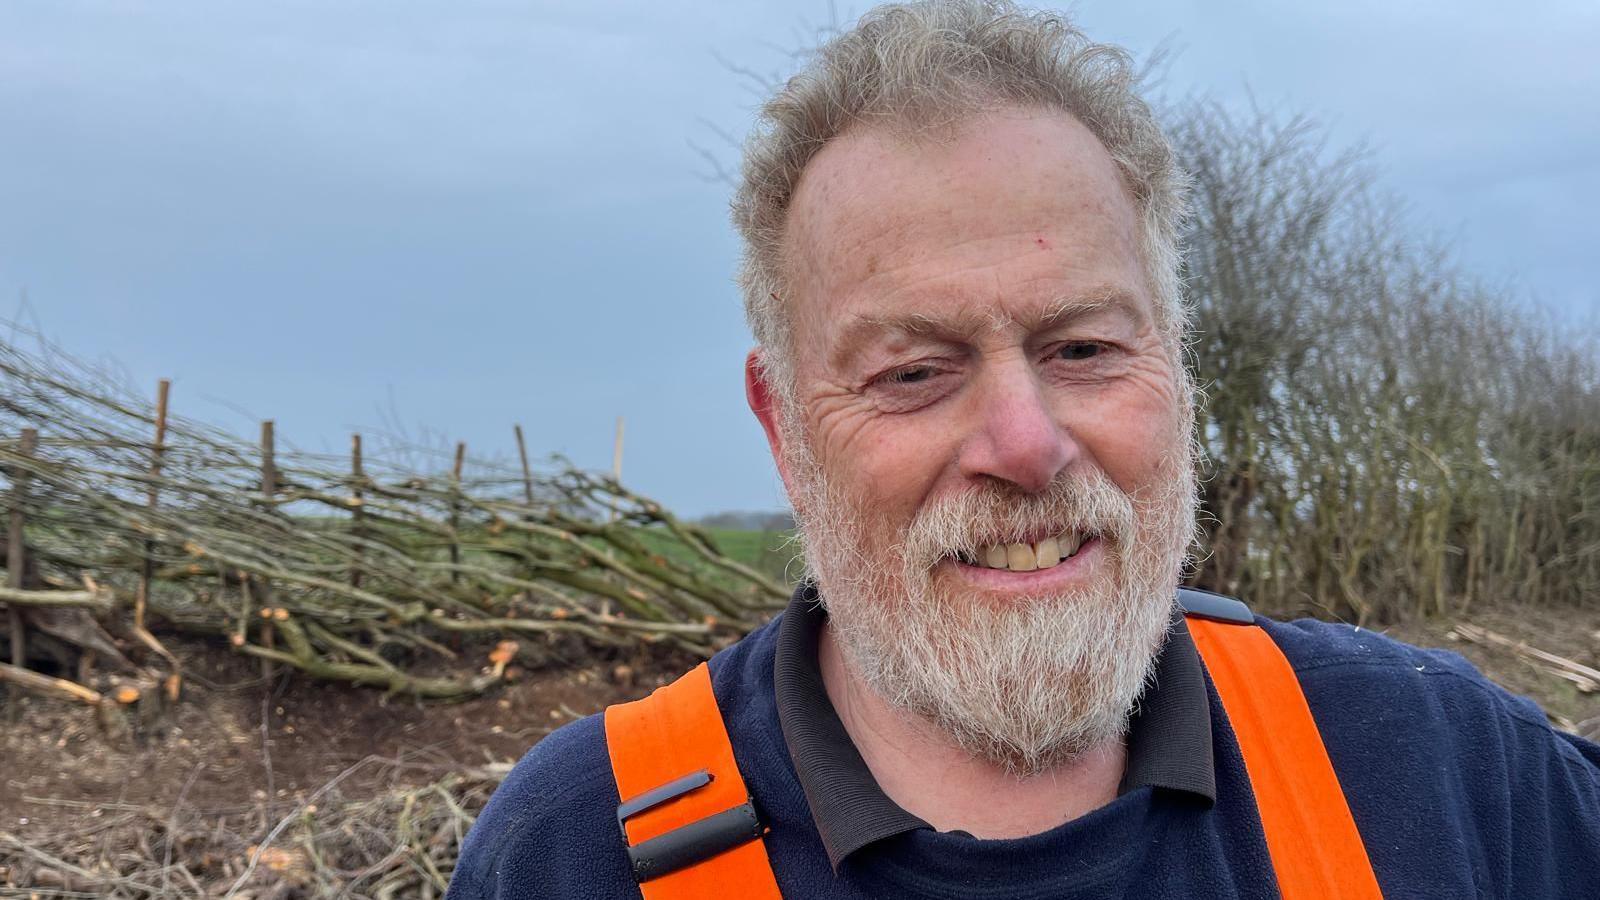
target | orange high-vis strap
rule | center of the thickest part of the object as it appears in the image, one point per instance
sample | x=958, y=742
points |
x=675, y=772
x=1316, y=850
x=675, y=739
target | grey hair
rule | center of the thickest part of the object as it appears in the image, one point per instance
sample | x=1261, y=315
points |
x=930, y=64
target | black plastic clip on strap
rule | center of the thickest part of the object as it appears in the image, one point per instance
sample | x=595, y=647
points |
x=1216, y=607
x=692, y=843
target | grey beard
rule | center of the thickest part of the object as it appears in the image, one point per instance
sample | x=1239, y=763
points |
x=1029, y=685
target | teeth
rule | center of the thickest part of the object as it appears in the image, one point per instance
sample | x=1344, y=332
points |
x=1048, y=553
x=1071, y=543
x=1020, y=558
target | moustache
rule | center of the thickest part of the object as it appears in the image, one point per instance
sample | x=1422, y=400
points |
x=963, y=525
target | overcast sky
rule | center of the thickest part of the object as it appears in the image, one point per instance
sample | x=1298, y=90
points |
x=464, y=215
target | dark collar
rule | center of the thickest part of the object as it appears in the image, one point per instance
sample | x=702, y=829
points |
x=1169, y=735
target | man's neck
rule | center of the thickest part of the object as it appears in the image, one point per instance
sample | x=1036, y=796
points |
x=942, y=784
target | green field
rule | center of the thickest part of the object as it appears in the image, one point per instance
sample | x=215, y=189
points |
x=768, y=552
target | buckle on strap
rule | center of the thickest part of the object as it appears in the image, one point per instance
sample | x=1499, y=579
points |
x=1216, y=607
x=688, y=844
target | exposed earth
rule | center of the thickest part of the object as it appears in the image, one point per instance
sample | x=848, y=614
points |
x=204, y=785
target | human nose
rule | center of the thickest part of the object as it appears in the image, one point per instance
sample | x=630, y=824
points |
x=1017, y=438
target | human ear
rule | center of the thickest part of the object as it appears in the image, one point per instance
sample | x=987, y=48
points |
x=758, y=392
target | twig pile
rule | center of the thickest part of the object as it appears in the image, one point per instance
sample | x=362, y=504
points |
x=398, y=841
x=1585, y=678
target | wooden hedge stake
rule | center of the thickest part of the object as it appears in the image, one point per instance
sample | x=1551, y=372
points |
x=269, y=469
x=15, y=556
x=269, y=488
x=141, y=598
x=527, y=473
x=358, y=509
x=455, y=512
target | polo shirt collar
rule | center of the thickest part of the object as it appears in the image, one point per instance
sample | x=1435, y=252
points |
x=1169, y=735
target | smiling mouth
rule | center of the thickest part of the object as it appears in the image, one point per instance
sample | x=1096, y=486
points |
x=1027, y=557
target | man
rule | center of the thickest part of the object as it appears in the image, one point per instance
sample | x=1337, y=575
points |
x=960, y=267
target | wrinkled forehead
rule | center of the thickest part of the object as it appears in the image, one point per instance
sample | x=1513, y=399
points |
x=1029, y=197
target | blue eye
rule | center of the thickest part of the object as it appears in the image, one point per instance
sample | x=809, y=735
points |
x=1079, y=350
x=913, y=387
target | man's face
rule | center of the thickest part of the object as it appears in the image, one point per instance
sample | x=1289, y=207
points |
x=982, y=389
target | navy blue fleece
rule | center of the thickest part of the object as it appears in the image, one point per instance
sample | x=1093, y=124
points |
x=1459, y=790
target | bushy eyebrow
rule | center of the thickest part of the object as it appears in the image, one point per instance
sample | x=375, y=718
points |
x=1069, y=308
x=865, y=328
